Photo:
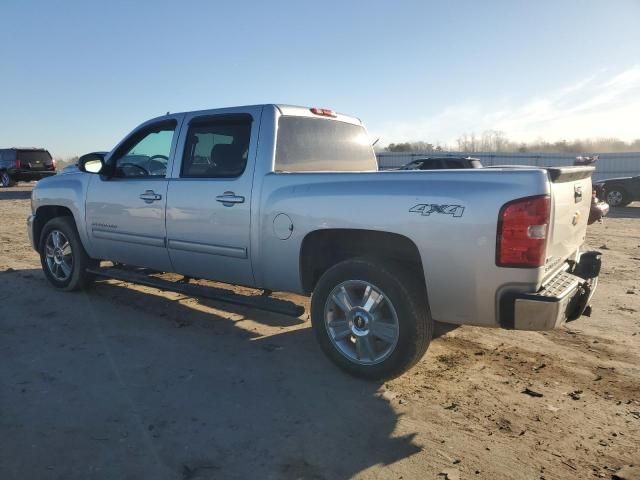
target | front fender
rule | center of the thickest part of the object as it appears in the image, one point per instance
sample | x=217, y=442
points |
x=66, y=191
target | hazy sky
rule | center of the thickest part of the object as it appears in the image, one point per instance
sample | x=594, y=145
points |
x=77, y=76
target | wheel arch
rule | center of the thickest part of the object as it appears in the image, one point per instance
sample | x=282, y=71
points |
x=45, y=213
x=616, y=186
x=321, y=249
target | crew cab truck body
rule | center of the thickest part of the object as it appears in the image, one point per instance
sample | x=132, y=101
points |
x=290, y=199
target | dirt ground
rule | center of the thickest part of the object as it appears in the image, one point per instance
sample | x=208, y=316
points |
x=132, y=382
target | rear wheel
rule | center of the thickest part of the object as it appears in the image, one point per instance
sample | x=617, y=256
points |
x=62, y=255
x=371, y=319
x=6, y=180
x=617, y=197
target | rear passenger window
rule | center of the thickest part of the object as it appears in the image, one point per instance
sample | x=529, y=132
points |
x=217, y=147
x=453, y=164
x=430, y=165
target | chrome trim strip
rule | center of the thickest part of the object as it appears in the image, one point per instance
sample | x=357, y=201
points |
x=235, y=252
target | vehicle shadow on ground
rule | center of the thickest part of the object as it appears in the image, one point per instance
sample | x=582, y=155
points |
x=624, y=212
x=6, y=194
x=118, y=383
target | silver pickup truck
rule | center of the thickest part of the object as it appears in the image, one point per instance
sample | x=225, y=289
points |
x=290, y=199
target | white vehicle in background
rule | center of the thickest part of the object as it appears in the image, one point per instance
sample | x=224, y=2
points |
x=290, y=198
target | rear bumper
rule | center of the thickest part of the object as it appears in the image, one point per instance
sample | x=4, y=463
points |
x=564, y=298
x=29, y=175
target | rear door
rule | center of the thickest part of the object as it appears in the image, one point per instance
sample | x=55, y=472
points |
x=209, y=197
x=125, y=214
x=451, y=163
x=431, y=164
x=635, y=188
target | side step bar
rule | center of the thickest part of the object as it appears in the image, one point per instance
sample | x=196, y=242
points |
x=274, y=305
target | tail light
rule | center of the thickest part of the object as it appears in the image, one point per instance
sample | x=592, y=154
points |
x=523, y=225
x=18, y=165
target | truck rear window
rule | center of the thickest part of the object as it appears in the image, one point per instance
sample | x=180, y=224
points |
x=314, y=145
x=33, y=156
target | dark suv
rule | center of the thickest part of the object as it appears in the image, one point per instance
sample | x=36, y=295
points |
x=437, y=163
x=25, y=164
x=620, y=191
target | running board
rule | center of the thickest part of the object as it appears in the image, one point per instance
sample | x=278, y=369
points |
x=275, y=305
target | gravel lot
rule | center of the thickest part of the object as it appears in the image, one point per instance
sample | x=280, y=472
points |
x=132, y=382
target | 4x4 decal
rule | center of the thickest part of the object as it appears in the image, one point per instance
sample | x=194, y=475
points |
x=429, y=208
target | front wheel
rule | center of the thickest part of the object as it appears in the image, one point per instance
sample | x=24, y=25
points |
x=63, y=257
x=371, y=319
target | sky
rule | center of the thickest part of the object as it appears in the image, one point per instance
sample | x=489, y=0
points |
x=78, y=76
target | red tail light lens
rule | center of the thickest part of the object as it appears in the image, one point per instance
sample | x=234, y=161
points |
x=523, y=226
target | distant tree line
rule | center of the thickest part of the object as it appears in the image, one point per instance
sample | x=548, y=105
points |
x=65, y=162
x=413, y=147
x=496, y=141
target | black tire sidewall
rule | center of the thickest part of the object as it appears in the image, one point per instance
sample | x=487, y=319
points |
x=415, y=324
x=78, y=275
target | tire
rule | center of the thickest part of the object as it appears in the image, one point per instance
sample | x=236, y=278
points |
x=63, y=257
x=6, y=180
x=379, y=342
x=618, y=197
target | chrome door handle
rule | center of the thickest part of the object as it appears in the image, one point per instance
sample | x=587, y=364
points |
x=228, y=199
x=150, y=196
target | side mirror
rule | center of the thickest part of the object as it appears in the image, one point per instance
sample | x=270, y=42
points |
x=92, y=163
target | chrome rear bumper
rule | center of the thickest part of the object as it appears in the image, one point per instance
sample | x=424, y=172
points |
x=563, y=298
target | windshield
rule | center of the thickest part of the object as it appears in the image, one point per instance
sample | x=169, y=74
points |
x=314, y=144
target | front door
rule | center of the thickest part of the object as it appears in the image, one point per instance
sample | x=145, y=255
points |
x=125, y=214
x=209, y=197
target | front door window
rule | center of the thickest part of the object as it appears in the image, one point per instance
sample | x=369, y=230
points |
x=146, y=154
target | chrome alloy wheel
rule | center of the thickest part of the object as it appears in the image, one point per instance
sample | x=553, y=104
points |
x=614, y=198
x=362, y=322
x=59, y=255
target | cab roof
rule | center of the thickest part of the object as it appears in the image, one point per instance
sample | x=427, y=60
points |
x=283, y=109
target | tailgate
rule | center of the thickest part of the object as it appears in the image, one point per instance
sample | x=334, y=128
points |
x=34, y=159
x=570, y=206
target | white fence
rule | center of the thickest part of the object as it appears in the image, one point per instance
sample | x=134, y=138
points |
x=610, y=164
